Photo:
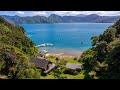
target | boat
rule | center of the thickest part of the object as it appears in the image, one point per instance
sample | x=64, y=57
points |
x=82, y=42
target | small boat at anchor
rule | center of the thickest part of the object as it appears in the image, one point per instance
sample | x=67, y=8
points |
x=82, y=42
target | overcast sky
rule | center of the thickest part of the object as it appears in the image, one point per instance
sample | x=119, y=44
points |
x=62, y=13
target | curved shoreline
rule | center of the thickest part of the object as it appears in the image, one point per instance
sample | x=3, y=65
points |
x=62, y=55
x=62, y=51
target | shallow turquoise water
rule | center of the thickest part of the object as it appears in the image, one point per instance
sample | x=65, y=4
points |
x=65, y=36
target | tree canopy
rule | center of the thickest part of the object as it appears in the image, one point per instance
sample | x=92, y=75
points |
x=15, y=51
x=103, y=59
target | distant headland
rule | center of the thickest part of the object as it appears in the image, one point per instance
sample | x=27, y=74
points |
x=53, y=18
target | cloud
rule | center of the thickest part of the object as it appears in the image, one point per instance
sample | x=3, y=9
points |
x=109, y=13
x=73, y=13
x=102, y=13
x=41, y=13
x=66, y=13
x=20, y=12
x=61, y=13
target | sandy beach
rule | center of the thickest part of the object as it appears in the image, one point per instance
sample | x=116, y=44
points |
x=62, y=55
x=63, y=52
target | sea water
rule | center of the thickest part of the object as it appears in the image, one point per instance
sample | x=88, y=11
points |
x=69, y=38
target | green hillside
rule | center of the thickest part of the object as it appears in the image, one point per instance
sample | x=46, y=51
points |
x=102, y=61
x=15, y=50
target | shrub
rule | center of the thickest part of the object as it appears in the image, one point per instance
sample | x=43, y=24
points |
x=57, y=58
x=75, y=58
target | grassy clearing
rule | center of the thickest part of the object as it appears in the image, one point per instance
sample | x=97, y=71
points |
x=49, y=76
x=51, y=58
x=69, y=60
x=72, y=61
x=78, y=76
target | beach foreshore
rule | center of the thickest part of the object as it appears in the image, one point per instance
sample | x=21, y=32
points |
x=63, y=55
x=60, y=52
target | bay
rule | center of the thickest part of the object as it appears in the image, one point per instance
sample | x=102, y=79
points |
x=68, y=38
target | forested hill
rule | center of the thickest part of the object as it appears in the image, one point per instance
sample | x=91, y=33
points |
x=102, y=61
x=15, y=50
x=53, y=18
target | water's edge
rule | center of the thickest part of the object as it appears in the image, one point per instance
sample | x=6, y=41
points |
x=66, y=37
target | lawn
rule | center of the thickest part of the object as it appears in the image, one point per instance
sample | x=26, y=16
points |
x=72, y=61
x=69, y=60
x=79, y=76
x=52, y=59
x=47, y=77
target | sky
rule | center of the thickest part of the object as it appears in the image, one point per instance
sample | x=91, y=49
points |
x=61, y=13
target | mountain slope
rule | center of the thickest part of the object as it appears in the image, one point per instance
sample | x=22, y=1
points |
x=15, y=50
x=53, y=18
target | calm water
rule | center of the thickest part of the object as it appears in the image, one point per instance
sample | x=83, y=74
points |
x=66, y=37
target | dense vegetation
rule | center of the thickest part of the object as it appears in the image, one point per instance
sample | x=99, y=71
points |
x=102, y=61
x=53, y=18
x=15, y=50
x=61, y=71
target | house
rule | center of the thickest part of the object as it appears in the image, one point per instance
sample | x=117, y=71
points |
x=43, y=64
x=74, y=66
